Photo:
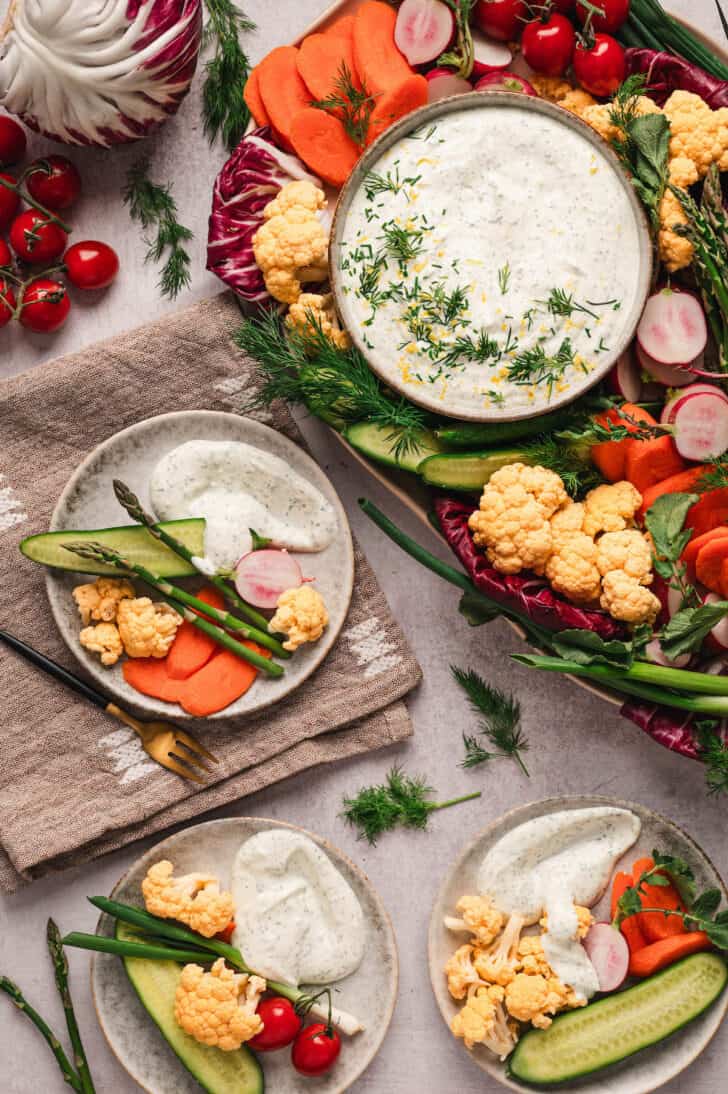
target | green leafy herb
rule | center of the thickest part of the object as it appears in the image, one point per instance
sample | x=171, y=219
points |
x=504, y=278
x=499, y=720
x=404, y=241
x=400, y=801
x=688, y=628
x=477, y=347
x=714, y=754
x=562, y=304
x=224, y=111
x=153, y=206
x=570, y=462
x=352, y=105
x=643, y=145
x=665, y=521
x=536, y=366
x=391, y=183
x=589, y=648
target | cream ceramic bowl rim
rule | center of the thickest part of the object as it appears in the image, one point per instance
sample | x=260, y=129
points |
x=478, y=100
x=329, y=848
x=509, y=820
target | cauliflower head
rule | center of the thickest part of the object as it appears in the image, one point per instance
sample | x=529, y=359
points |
x=566, y=521
x=697, y=132
x=572, y=568
x=301, y=615
x=611, y=508
x=104, y=639
x=531, y=998
x=461, y=973
x=479, y=916
x=312, y=313
x=218, y=1008
x=483, y=1021
x=99, y=599
x=498, y=963
x=291, y=246
x=193, y=899
x=512, y=523
x=147, y=629
x=626, y=599
x=628, y=551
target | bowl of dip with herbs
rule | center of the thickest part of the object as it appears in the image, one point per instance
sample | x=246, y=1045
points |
x=489, y=257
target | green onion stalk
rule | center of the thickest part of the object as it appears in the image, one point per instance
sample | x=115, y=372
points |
x=649, y=25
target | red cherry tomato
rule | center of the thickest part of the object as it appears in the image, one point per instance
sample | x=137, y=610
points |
x=316, y=1049
x=280, y=1024
x=54, y=182
x=600, y=68
x=36, y=239
x=548, y=45
x=92, y=265
x=45, y=305
x=5, y=257
x=12, y=140
x=501, y=19
x=7, y=303
x=615, y=13
x=9, y=201
x=565, y=7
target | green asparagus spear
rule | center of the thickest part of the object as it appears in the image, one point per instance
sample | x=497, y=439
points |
x=69, y=1075
x=60, y=969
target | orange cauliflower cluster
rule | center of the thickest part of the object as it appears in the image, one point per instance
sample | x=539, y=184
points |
x=218, y=1008
x=291, y=246
x=117, y=621
x=193, y=899
x=99, y=600
x=312, y=313
x=147, y=629
x=301, y=615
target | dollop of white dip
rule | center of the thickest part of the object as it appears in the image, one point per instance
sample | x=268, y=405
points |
x=237, y=487
x=551, y=863
x=297, y=919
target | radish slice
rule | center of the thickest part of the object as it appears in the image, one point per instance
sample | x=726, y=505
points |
x=669, y=375
x=674, y=601
x=424, y=29
x=441, y=84
x=719, y=633
x=609, y=954
x=670, y=408
x=672, y=330
x=701, y=425
x=657, y=656
x=505, y=81
x=261, y=576
x=490, y=56
x=624, y=379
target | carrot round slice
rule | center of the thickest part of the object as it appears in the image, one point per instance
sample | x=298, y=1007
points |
x=321, y=141
x=343, y=27
x=193, y=648
x=149, y=676
x=253, y=99
x=695, y=545
x=282, y=90
x=225, y=678
x=379, y=63
x=321, y=61
x=394, y=104
x=709, y=564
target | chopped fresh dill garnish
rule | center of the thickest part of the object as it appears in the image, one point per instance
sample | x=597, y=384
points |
x=536, y=366
x=602, y=347
x=351, y=104
x=390, y=183
x=404, y=241
x=479, y=348
x=569, y=461
x=504, y=278
x=496, y=397
x=499, y=720
x=563, y=304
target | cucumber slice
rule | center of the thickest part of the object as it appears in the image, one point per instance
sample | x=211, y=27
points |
x=606, y=1032
x=217, y=1072
x=475, y=434
x=467, y=470
x=378, y=443
x=132, y=540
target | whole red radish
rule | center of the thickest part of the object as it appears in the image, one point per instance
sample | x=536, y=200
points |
x=45, y=306
x=54, y=182
x=424, y=29
x=280, y=1021
x=9, y=200
x=12, y=141
x=91, y=264
x=615, y=13
x=600, y=64
x=548, y=44
x=501, y=19
x=7, y=302
x=316, y=1049
x=36, y=239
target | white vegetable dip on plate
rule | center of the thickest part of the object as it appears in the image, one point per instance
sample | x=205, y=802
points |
x=236, y=487
x=457, y=239
x=297, y=919
x=551, y=863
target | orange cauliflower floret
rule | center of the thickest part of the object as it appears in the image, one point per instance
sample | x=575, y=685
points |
x=99, y=600
x=572, y=568
x=532, y=962
x=103, y=639
x=628, y=551
x=291, y=246
x=147, y=629
x=512, y=523
x=627, y=600
x=301, y=614
x=611, y=508
x=194, y=899
x=531, y=998
x=566, y=521
x=498, y=962
x=553, y=88
x=479, y=916
x=460, y=972
x=676, y=251
x=483, y=1021
x=312, y=313
x=218, y=1008
x=696, y=131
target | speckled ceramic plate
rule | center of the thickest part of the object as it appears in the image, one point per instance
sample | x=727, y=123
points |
x=370, y=992
x=645, y=1071
x=88, y=502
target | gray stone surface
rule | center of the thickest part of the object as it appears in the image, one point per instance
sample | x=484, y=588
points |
x=579, y=744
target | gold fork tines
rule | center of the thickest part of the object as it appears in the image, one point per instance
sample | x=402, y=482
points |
x=173, y=748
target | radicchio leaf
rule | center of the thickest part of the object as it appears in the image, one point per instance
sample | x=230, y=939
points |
x=666, y=73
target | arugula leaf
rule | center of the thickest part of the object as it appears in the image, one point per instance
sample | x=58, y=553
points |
x=642, y=144
x=477, y=610
x=665, y=520
x=679, y=872
x=707, y=904
x=588, y=648
x=688, y=628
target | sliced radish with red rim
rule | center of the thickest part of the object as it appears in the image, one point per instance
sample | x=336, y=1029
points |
x=657, y=656
x=490, y=56
x=668, y=375
x=624, y=379
x=668, y=411
x=673, y=330
x=441, y=84
x=261, y=576
x=424, y=29
x=505, y=81
x=701, y=425
x=719, y=633
x=608, y=952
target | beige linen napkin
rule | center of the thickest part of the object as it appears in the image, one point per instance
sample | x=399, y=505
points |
x=73, y=784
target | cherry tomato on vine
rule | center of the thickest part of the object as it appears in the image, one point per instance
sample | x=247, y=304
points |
x=9, y=201
x=548, y=45
x=36, y=239
x=12, y=140
x=7, y=302
x=281, y=1024
x=501, y=19
x=91, y=265
x=564, y=7
x=5, y=257
x=45, y=305
x=316, y=1049
x=615, y=13
x=53, y=181
x=601, y=66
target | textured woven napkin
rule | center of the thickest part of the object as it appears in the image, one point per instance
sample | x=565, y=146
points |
x=73, y=783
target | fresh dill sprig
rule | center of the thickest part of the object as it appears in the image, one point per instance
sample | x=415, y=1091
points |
x=714, y=753
x=479, y=348
x=153, y=206
x=562, y=304
x=352, y=105
x=402, y=800
x=404, y=242
x=499, y=720
x=442, y=307
x=571, y=462
x=224, y=111
x=504, y=278
x=335, y=384
x=536, y=366
x=376, y=184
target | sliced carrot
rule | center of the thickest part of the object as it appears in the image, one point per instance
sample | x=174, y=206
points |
x=610, y=456
x=690, y=553
x=651, y=461
x=408, y=95
x=192, y=648
x=710, y=512
x=219, y=683
x=321, y=141
x=709, y=564
x=253, y=100
x=658, y=955
x=320, y=61
x=622, y=882
x=282, y=90
x=629, y=927
x=379, y=64
x=343, y=27
x=149, y=676
x=683, y=483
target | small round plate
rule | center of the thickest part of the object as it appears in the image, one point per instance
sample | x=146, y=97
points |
x=88, y=502
x=369, y=993
x=647, y=1070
